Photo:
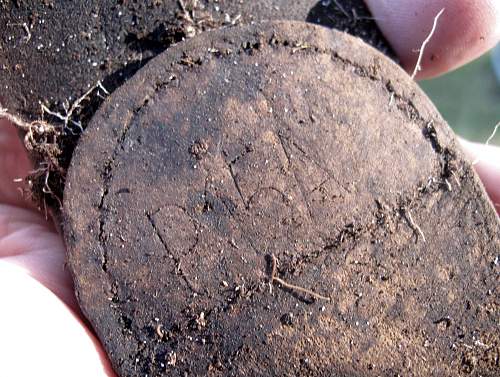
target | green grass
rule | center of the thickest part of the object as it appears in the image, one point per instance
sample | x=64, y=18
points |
x=469, y=99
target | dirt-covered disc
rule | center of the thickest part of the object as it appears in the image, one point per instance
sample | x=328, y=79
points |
x=281, y=200
x=52, y=52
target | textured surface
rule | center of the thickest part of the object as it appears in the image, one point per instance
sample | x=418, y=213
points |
x=290, y=140
x=52, y=52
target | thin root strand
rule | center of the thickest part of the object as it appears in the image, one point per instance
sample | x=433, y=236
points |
x=418, y=66
x=284, y=284
x=415, y=226
x=69, y=110
x=490, y=139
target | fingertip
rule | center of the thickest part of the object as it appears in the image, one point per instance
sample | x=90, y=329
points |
x=486, y=160
x=466, y=30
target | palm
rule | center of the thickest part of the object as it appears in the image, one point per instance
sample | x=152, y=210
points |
x=42, y=330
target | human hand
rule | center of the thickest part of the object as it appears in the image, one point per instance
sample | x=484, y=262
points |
x=42, y=330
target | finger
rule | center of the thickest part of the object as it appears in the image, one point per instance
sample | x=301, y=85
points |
x=14, y=165
x=466, y=29
x=41, y=336
x=487, y=165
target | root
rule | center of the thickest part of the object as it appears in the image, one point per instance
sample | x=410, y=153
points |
x=40, y=186
x=492, y=136
x=67, y=119
x=391, y=99
x=44, y=140
x=418, y=66
x=18, y=122
x=495, y=130
x=341, y=8
x=48, y=191
x=188, y=17
x=284, y=284
x=38, y=134
x=197, y=21
x=193, y=24
x=26, y=29
x=415, y=226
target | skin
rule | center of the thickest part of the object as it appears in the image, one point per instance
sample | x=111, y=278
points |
x=43, y=331
x=466, y=29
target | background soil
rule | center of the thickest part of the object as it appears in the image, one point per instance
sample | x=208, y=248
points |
x=54, y=51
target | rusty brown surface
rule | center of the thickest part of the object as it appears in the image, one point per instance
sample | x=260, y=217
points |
x=292, y=141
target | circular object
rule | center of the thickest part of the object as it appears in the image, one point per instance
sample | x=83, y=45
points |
x=280, y=199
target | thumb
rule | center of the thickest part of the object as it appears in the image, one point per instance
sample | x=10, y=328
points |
x=466, y=29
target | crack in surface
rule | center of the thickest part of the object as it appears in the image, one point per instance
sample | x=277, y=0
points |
x=297, y=180
x=236, y=184
x=327, y=171
x=240, y=225
x=108, y=168
x=110, y=164
x=262, y=189
x=318, y=187
x=177, y=260
x=285, y=151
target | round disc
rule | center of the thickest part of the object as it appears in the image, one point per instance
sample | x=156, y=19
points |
x=281, y=199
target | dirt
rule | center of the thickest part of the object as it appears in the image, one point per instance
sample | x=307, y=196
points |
x=53, y=52
x=281, y=200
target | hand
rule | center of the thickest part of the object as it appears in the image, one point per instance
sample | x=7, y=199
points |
x=466, y=29
x=42, y=330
